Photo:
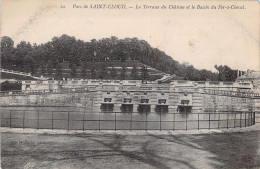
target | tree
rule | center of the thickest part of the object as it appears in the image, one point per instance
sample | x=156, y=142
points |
x=226, y=73
x=73, y=69
x=7, y=86
x=42, y=69
x=84, y=71
x=93, y=72
x=103, y=72
x=7, y=44
x=7, y=52
x=49, y=68
x=144, y=73
x=123, y=73
x=93, y=49
x=58, y=71
x=134, y=73
x=113, y=73
x=190, y=73
x=64, y=48
x=23, y=51
x=204, y=75
x=27, y=57
x=32, y=67
x=29, y=64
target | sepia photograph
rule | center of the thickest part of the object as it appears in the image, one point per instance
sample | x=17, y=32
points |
x=130, y=84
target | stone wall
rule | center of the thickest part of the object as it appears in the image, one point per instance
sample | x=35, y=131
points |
x=94, y=99
x=227, y=103
x=93, y=95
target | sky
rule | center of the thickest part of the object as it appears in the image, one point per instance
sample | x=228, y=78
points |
x=202, y=37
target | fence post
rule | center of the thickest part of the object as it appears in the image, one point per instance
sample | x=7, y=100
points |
x=173, y=125
x=254, y=117
x=245, y=119
x=240, y=119
x=10, y=118
x=99, y=121
x=198, y=121
x=145, y=121
x=249, y=119
x=250, y=114
x=131, y=121
x=252, y=121
x=209, y=121
x=227, y=119
x=235, y=120
x=83, y=127
x=218, y=119
x=68, y=120
x=52, y=120
x=115, y=121
x=38, y=118
x=23, y=118
x=160, y=121
x=186, y=120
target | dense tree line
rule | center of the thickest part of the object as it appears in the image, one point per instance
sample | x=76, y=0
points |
x=50, y=55
x=7, y=86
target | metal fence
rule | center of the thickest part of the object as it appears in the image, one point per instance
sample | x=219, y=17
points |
x=77, y=120
x=257, y=117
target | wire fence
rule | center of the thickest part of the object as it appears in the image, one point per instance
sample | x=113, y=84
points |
x=78, y=120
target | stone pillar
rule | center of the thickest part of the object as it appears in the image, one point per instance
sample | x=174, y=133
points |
x=197, y=102
x=173, y=102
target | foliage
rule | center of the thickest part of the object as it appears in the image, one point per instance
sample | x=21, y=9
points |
x=58, y=71
x=113, y=73
x=42, y=69
x=93, y=73
x=5, y=86
x=123, y=73
x=134, y=73
x=27, y=57
x=144, y=75
x=73, y=68
x=84, y=70
x=226, y=73
x=49, y=68
x=103, y=72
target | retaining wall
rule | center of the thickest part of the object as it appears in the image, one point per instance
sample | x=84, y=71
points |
x=200, y=102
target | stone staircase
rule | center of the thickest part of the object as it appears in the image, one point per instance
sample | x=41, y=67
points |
x=23, y=74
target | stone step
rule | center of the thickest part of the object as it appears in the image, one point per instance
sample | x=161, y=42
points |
x=173, y=96
x=197, y=102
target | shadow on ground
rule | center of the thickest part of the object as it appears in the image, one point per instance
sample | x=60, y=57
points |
x=222, y=150
x=231, y=150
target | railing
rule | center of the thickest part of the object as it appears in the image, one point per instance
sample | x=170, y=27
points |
x=70, y=120
x=21, y=73
x=257, y=117
x=14, y=92
x=231, y=93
